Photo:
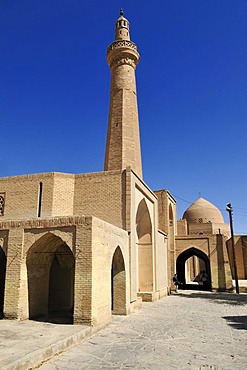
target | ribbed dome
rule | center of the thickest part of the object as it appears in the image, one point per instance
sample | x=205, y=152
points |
x=202, y=211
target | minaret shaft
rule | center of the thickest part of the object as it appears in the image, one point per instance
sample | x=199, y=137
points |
x=123, y=138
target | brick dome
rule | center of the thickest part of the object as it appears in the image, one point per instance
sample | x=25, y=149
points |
x=202, y=211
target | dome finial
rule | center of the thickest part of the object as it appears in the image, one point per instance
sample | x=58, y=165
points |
x=121, y=12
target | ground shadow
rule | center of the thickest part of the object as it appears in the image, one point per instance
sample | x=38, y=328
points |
x=65, y=317
x=220, y=298
x=237, y=322
x=194, y=287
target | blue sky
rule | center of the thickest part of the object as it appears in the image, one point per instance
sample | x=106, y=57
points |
x=192, y=92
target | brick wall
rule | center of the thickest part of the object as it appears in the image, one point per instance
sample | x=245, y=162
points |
x=12, y=282
x=106, y=239
x=101, y=195
x=214, y=247
x=22, y=195
x=63, y=194
x=123, y=138
x=162, y=282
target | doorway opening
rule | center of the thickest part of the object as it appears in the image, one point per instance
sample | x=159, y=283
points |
x=193, y=270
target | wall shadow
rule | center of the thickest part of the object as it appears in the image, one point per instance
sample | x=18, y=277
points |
x=237, y=322
x=2, y=280
x=220, y=298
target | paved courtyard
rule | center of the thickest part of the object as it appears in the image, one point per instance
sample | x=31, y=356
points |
x=189, y=330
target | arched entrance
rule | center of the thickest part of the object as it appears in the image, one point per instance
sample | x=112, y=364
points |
x=51, y=271
x=185, y=261
x=145, y=248
x=2, y=279
x=118, y=284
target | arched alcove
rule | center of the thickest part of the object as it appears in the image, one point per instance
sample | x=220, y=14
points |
x=170, y=215
x=204, y=263
x=2, y=279
x=118, y=283
x=51, y=271
x=145, y=247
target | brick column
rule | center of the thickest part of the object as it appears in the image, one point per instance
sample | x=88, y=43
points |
x=13, y=273
x=83, y=273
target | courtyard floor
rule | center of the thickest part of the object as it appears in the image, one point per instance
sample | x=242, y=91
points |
x=189, y=330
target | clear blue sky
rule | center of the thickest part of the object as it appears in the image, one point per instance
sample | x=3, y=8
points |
x=192, y=92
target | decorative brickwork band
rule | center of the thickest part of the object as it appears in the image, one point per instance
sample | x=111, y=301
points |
x=123, y=59
x=122, y=44
x=2, y=202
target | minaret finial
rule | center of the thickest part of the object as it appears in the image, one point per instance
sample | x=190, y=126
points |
x=121, y=12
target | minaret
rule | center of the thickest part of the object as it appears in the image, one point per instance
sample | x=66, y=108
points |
x=123, y=138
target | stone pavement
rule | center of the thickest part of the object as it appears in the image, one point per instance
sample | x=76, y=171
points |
x=25, y=345
x=190, y=330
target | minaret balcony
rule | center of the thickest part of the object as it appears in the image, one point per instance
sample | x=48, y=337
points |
x=122, y=52
x=122, y=44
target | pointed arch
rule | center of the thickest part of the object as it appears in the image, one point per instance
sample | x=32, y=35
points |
x=118, y=283
x=181, y=263
x=144, y=247
x=2, y=279
x=50, y=271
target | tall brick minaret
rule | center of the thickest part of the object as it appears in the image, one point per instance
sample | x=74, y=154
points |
x=123, y=138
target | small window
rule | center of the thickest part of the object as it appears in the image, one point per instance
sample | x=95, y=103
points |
x=2, y=202
x=200, y=220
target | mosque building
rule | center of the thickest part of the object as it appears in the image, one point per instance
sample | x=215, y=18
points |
x=87, y=246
